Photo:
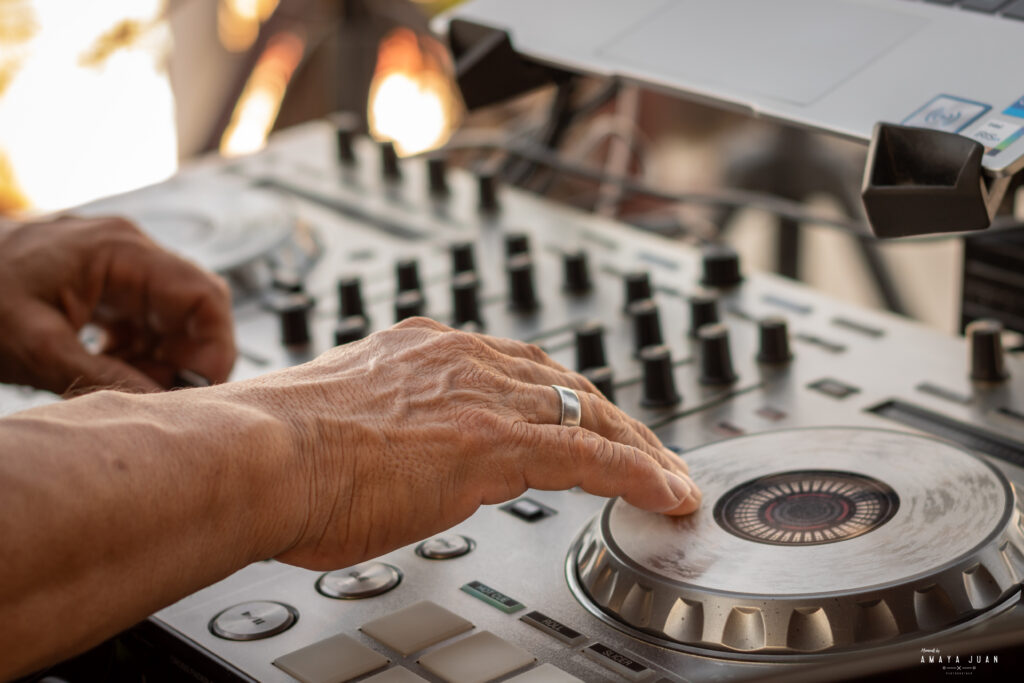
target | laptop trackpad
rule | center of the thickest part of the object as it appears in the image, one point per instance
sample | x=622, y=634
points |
x=791, y=50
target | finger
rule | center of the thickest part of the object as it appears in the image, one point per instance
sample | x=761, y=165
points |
x=553, y=457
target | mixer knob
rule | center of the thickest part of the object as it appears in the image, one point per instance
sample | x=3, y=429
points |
x=463, y=260
x=345, y=128
x=590, y=346
x=646, y=324
x=774, y=345
x=986, y=341
x=293, y=314
x=715, y=356
x=350, y=329
x=659, y=384
x=577, y=272
x=407, y=273
x=638, y=287
x=516, y=243
x=287, y=281
x=409, y=304
x=487, y=192
x=389, y=162
x=350, y=297
x=465, y=302
x=437, y=177
x=721, y=266
x=703, y=311
x=601, y=377
x=522, y=295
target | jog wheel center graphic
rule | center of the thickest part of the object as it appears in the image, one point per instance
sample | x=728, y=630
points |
x=806, y=507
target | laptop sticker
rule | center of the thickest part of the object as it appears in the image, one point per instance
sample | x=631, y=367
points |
x=946, y=113
x=1016, y=109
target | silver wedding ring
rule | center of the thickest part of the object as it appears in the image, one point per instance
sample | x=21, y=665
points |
x=572, y=409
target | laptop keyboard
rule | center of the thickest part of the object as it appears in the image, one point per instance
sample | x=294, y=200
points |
x=1011, y=9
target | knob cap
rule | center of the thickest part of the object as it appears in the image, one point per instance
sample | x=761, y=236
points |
x=774, y=344
x=659, y=384
x=646, y=324
x=350, y=329
x=350, y=297
x=463, y=260
x=590, y=346
x=715, y=356
x=465, y=302
x=409, y=304
x=986, y=341
x=407, y=273
x=703, y=311
x=516, y=243
x=577, y=272
x=389, y=162
x=522, y=295
x=437, y=177
x=602, y=379
x=293, y=314
x=721, y=266
x=345, y=127
x=287, y=281
x=487, y=192
x=638, y=287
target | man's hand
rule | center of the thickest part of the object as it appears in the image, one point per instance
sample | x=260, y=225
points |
x=407, y=432
x=161, y=314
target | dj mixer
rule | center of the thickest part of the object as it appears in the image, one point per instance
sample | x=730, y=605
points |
x=860, y=471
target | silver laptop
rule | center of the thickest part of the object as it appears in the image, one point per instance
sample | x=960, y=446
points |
x=835, y=65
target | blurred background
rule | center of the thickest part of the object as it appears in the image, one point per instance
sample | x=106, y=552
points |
x=100, y=97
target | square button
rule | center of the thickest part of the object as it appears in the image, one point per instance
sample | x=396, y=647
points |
x=527, y=510
x=477, y=659
x=415, y=627
x=333, y=660
x=545, y=673
x=833, y=388
x=396, y=675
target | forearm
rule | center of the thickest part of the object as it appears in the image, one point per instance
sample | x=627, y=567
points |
x=116, y=505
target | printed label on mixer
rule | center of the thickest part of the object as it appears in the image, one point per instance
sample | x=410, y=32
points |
x=553, y=628
x=492, y=597
x=603, y=654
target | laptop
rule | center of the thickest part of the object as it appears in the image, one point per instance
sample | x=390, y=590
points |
x=834, y=65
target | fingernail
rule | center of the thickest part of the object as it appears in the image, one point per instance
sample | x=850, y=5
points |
x=681, y=487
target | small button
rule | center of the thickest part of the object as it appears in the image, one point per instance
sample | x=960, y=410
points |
x=619, y=663
x=527, y=510
x=333, y=660
x=398, y=674
x=555, y=629
x=362, y=581
x=416, y=627
x=773, y=414
x=833, y=388
x=445, y=547
x=492, y=597
x=253, y=620
x=545, y=673
x=479, y=658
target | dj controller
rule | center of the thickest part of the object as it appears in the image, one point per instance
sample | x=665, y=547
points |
x=860, y=471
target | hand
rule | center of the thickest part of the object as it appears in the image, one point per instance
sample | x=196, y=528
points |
x=409, y=431
x=161, y=314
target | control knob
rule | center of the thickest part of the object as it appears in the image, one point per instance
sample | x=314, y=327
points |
x=590, y=346
x=986, y=342
x=774, y=341
x=715, y=356
x=659, y=385
x=721, y=266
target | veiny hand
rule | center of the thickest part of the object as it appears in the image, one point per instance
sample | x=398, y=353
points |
x=161, y=313
x=407, y=432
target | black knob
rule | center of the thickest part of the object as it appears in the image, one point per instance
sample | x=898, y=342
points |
x=350, y=297
x=487, y=192
x=715, y=356
x=721, y=266
x=437, y=176
x=350, y=329
x=703, y=311
x=602, y=379
x=293, y=314
x=407, y=273
x=409, y=304
x=287, y=281
x=389, y=162
x=522, y=295
x=463, y=260
x=516, y=243
x=774, y=344
x=638, y=287
x=986, y=341
x=590, y=346
x=465, y=302
x=659, y=384
x=646, y=324
x=345, y=128
x=577, y=272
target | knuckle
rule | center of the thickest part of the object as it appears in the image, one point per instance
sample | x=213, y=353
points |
x=421, y=323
